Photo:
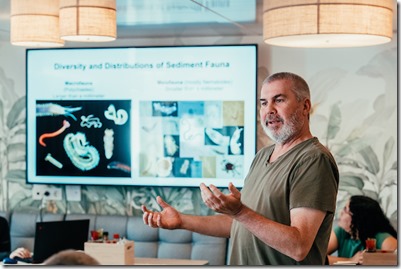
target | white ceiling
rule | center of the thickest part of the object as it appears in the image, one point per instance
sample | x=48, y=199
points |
x=178, y=18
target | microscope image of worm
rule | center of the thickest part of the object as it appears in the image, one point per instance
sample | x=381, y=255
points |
x=188, y=130
x=119, y=116
x=66, y=124
x=84, y=156
x=90, y=121
x=119, y=166
x=51, y=109
x=235, y=146
x=108, y=140
x=53, y=161
x=167, y=110
x=215, y=136
x=184, y=167
x=170, y=145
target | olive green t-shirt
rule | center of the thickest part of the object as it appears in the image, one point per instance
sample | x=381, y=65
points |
x=305, y=176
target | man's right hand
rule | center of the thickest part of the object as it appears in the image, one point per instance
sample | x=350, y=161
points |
x=168, y=218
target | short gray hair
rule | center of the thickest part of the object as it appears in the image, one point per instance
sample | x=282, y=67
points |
x=299, y=86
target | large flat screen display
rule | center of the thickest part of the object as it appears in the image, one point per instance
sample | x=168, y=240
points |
x=141, y=116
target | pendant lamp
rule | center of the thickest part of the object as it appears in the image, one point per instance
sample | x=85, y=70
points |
x=35, y=23
x=88, y=20
x=327, y=23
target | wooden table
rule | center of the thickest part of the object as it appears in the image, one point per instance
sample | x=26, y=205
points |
x=380, y=258
x=149, y=261
x=158, y=261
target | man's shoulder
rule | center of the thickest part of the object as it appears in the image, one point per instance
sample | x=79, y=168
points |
x=317, y=149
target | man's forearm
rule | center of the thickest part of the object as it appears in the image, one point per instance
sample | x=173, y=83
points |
x=217, y=225
x=287, y=239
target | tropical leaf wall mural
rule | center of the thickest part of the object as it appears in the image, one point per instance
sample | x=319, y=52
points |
x=361, y=134
x=358, y=127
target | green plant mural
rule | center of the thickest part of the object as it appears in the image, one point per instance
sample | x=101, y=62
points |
x=365, y=150
x=12, y=145
x=360, y=134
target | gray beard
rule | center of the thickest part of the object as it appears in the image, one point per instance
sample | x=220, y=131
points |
x=287, y=131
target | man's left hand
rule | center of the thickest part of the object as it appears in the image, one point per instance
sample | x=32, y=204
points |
x=229, y=204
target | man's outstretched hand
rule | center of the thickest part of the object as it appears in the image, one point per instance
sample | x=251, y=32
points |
x=168, y=218
x=229, y=204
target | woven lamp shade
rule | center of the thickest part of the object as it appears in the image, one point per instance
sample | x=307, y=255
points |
x=88, y=20
x=35, y=23
x=327, y=23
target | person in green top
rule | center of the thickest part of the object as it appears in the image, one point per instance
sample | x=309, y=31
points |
x=284, y=213
x=361, y=218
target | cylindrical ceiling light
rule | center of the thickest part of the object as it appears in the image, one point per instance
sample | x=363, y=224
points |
x=35, y=23
x=88, y=20
x=327, y=23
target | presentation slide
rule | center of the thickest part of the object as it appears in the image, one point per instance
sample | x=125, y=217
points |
x=141, y=116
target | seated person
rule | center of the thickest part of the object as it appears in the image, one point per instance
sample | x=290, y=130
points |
x=5, y=244
x=22, y=253
x=361, y=218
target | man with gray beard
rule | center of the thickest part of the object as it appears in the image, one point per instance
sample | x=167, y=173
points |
x=284, y=213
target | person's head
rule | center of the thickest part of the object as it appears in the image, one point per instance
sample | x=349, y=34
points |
x=285, y=106
x=71, y=257
x=362, y=217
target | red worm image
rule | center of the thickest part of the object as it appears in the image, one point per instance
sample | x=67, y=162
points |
x=66, y=124
x=119, y=166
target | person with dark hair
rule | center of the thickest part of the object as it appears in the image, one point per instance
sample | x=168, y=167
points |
x=360, y=219
x=284, y=213
x=5, y=243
